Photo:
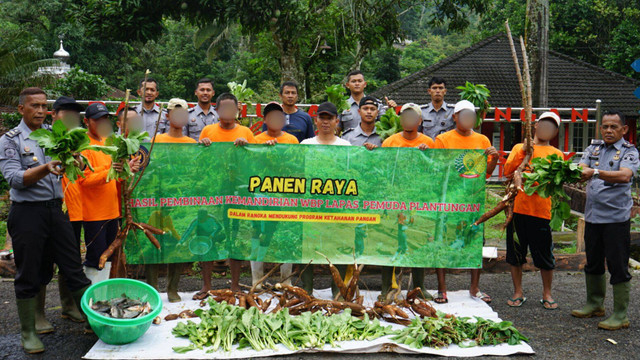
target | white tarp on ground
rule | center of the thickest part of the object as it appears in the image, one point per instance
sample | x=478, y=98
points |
x=157, y=342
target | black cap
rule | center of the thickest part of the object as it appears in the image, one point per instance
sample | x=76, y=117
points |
x=327, y=107
x=96, y=111
x=369, y=100
x=67, y=103
x=270, y=107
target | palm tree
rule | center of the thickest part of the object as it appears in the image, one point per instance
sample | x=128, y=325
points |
x=19, y=64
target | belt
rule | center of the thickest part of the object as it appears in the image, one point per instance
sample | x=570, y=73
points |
x=47, y=204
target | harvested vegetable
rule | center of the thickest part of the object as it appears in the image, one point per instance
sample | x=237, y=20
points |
x=478, y=95
x=337, y=94
x=547, y=178
x=125, y=147
x=389, y=124
x=120, y=308
x=241, y=91
x=61, y=144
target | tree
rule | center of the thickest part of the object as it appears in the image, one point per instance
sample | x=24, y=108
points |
x=537, y=41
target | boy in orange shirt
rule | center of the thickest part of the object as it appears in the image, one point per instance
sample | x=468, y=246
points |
x=101, y=205
x=531, y=217
x=227, y=130
x=463, y=137
x=410, y=117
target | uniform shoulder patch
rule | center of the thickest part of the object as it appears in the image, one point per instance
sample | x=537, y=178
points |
x=347, y=131
x=597, y=142
x=13, y=132
x=191, y=109
x=451, y=105
x=628, y=145
x=46, y=126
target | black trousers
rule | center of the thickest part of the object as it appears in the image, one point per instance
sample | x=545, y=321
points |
x=98, y=235
x=77, y=231
x=533, y=233
x=608, y=242
x=42, y=235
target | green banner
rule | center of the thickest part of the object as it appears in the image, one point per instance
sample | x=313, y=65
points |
x=287, y=203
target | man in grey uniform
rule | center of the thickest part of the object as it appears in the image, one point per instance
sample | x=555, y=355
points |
x=203, y=113
x=148, y=108
x=437, y=116
x=609, y=165
x=365, y=133
x=41, y=232
x=356, y=84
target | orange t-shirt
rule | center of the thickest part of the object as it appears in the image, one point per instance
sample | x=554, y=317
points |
x=285, y=138
x=453, y=140
x=166, y=138
x=533, y=205
x=99, y=198
x=72, y=199
x=397, y=140
x=217, y=134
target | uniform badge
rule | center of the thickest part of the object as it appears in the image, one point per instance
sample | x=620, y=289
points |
x=35, y=158
x=9, y=152
x=27, y=149
x=617, y=157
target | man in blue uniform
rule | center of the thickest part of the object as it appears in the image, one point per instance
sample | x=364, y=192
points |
x=609, y=165
x=437, y=116
x=40, y=230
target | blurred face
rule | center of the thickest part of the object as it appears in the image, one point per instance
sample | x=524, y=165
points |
x=100, y=127
x=149, y=91
x=612, y=129
x=134, y=121
x=546, y=130
x=227, y=110
x=356, y=84
x=410, y=120
x=34, y=110
x=275, y=120
x=437, y=92
x=289, y=95
x=368, y=113
x=70, y=118
x=178, y=117
x=205, y=93
x=326, y=123
x=465, y=119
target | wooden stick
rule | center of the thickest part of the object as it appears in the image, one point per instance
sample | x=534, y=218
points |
x=253, y=288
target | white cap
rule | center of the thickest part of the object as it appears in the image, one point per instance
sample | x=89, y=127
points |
x=177, y=102
x=464, y=105
x=550, y=115
x=411, y=106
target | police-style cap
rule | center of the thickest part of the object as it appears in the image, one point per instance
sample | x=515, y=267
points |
x=176, y=102
x=96, y=111
x=67, y=103
x=270, y=107
x=368, y=100
x=549, y=115
x=411, y=106
x=327, y=108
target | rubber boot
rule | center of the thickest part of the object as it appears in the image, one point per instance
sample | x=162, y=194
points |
x=596, y=290
x=151, y=275
x=257, y=272
x=255, y=244
x=43, y=326
x=285, y=273
x=307, y=278
x=342, y=269
x=173, y=278
x=387, y=274
x=417, y=275
x=69, y=309
x=28, y=336
x=618, y=320
x=77, y=297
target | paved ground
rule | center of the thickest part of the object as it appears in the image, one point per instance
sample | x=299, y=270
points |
x=553, y=334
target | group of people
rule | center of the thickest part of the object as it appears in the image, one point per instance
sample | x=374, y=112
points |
x=48, y=212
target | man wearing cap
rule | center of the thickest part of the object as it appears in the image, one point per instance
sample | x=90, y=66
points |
x=531, y=218
x=356, y=84
x=39, y=229
x=410, y=137
x=365, y=133
x=67, y=110
x=203, y=113
x=463, y=137
x=148, y=108
x=437, y=116
x=178, y=117
x=297, y=122
x=609, y=165
x=100, y=200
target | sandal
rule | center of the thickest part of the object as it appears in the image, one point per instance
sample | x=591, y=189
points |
x=200, y=295
x=547, y=304
x=482, y=296
x=441, y=298
x=521, y=300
